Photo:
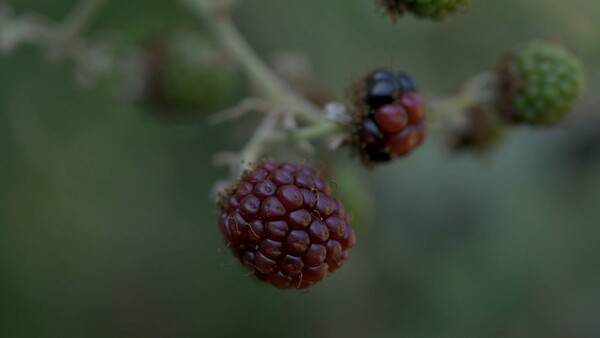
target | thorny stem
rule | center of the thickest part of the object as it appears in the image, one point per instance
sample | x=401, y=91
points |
x=256, y=144
x=266, y=135
x=216, y=14
x=270, y=86
x=217, y=17
x=479, y=90
x=79, y=19
x=307, y=133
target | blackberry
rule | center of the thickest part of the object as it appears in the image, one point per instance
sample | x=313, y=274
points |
x=432, y=9
x=282, y=223
x=388, y=116
x=540, y=84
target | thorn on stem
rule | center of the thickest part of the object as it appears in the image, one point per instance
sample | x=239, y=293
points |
x=246, y=106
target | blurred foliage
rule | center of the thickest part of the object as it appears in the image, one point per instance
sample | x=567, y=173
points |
x=107, y=228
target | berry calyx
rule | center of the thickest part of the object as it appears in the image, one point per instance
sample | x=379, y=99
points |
x=281, y=221
x=431, y=9
x=388, y=116
x=478, y=130
x=540, y=84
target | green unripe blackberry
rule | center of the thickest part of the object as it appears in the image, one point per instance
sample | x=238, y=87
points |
x=195, y=75
x=541, y=83
x=432, y=9
x=185, y=72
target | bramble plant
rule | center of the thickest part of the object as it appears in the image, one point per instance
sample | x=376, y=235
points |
x=282, y=219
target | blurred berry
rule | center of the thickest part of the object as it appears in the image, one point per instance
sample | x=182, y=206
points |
x=431, y=9
x=281, y=221
x=541, y=83
x=186, y=74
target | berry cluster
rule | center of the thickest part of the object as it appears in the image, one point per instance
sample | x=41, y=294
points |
x=432, y=9
x=388, y=116
x=541, y=83
x=282, y=223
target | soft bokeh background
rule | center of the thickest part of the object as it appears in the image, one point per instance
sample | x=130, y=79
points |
x=107, y=228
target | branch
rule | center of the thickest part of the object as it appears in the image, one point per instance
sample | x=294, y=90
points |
x=80, y=18
x=269, y=85
x=216, y=14
x=480, y=90
x=307, y=133
x=255, y=146
x=266, y=134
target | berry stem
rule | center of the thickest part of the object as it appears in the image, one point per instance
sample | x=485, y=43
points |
x=480, y=90
x=217, y=17
x=80, y=18
x=270, y=86
x=256, y=145
x=307, y=133
x=266, y=135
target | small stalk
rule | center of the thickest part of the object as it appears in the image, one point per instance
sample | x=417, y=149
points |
x=80, y=18
x=266, y=81
x=256, y=145
x=307, y=133
x=479, y=90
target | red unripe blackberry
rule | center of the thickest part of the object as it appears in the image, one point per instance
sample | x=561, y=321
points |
x=388, y=116
x=414, y=107
x=281, y=221
x=391, y=118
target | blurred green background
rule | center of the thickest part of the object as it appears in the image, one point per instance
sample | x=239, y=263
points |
x=107, y=227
